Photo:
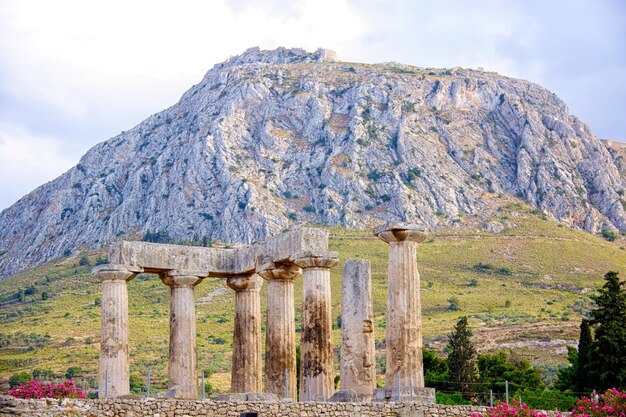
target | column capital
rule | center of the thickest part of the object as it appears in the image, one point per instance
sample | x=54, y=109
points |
x=182, y=278
x=115, y=272
x=245, y=282
x=279, y=271
x=400, y=232
x=315, y=259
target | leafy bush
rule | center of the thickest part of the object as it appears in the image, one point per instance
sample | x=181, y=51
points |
x=73, y=371
x=42, y=374
x=455, y=398
x=136, y=384
x=609, y=235
x=35, y=389
x=453, y=304
x=84, y=261
x=20, y=378
x=219, y=341
x=413, y=173
x=547, y=399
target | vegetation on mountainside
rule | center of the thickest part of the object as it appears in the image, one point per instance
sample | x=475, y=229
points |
x=600, y=362
x=534, y=308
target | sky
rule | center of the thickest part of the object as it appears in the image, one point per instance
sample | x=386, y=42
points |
x=74, y=73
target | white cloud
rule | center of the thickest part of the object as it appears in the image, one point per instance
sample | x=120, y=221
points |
x=82, y=71
x=27, y=161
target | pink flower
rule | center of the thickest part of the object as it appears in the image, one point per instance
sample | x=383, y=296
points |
x=35, y=389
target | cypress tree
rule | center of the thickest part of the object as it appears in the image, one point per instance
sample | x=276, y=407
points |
x=607, y=364
x=462, y=367
x=585, y=342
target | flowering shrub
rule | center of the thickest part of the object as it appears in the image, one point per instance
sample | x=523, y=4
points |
x=515, y=409
x=610, y=404
x=36, y=389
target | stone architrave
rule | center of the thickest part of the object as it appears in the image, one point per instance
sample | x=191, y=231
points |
x=183, y=357
x=316, y=348
x=280, y=331
x=246, y=371
x=358, y=355
x=113, y=373
x=404, y=312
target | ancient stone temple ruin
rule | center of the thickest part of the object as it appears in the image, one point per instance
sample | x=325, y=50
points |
x=279, y=261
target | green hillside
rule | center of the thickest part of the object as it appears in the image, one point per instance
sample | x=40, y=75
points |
x=524, y=289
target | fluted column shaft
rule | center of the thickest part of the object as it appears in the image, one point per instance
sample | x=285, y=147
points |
x=316, y=347
x=113, y=373
x=280, y=332
x=183, y=357
x=404, y=312
x=358, y=354
x=246, y=370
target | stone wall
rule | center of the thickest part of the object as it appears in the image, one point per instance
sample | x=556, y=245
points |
x=10, y=406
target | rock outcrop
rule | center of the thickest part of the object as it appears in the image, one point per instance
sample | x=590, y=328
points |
x=270, y=139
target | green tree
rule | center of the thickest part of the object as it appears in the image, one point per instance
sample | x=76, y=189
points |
x=585, y=343
x=575, y=377
x=462, y=359
x=568, y=376
x=435, y=370
x=607, y=364
x=495, y=369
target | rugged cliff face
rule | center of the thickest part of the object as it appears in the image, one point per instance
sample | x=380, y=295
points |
x=270, y=139
x=618, y=153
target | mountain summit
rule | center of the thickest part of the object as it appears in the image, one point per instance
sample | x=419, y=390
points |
x=270, y=139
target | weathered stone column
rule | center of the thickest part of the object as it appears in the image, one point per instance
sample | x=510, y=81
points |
x=316, y=347
x=404, y=312
x=113, y=373
x=358, y=355
x=246, y=370
x=280, y=331
x=183, y=358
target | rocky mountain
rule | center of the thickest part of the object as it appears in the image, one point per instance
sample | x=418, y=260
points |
x=618, y=153
x=270, y=139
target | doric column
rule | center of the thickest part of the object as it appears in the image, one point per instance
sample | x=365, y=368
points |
x=113, y=373
x=404, y=312
x=246, y=370
x=280, y=332
x=358, y=361
x=183, y=358
x=316, y=347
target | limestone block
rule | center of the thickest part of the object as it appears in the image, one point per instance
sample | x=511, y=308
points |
x=216, y=262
